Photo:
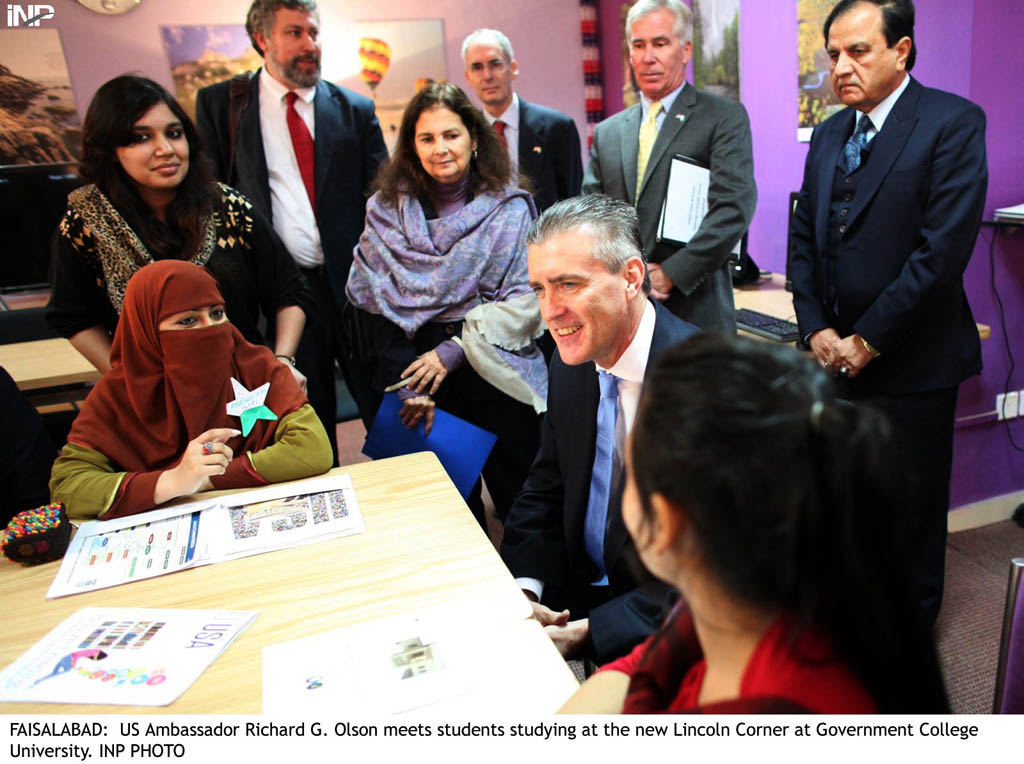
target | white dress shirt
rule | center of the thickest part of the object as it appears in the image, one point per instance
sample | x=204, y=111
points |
x=879, y=114
x=511, y=119
x=629, y=369
x=291, y=210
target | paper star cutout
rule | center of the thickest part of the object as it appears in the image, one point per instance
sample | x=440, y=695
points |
x=248, y=405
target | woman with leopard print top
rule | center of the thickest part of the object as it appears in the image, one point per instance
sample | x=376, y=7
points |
x=153, y=197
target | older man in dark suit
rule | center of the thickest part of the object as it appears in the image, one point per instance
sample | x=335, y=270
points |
x=892, y=198
x=305, y=152
x=565, y=540
x=543, y=143
x=633, y=150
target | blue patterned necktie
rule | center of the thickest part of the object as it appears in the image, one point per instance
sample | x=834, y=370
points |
x=856, y=144
x=601, y=475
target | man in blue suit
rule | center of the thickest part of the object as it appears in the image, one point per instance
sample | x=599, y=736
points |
x=305, y=152
x=892, y=198
x=543, y=143
x=565, y=540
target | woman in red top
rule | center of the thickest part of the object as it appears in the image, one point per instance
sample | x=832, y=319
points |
x=774, y=508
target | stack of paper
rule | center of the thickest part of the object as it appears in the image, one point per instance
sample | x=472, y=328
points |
x=433, y=661
x=112, y=552
x=122, y=656
x=1013, y=214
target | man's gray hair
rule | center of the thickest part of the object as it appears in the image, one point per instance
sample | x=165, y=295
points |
x=684, y=18
x=489, y=34
x=260, y=17
x=613, y=223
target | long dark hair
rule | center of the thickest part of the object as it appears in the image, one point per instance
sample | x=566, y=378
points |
x=489, y=170
x=795, y=500
x=108, y=126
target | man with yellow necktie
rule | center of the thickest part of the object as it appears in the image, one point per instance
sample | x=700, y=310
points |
x=632, y=152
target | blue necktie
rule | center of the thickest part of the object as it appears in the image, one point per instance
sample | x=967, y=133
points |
x=601, y=475
x=856, y=144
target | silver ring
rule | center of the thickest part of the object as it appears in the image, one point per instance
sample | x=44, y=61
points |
x=844, y=371
x=207, y=449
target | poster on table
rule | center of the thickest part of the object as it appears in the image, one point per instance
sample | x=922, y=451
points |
x=122, y=656
x=429, y=661
x=38, y=119
x=106, y=553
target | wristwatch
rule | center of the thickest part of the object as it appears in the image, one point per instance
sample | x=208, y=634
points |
x=867, y=346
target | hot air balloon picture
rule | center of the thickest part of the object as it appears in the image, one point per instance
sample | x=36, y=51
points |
x=375, y=60
x=394, y=59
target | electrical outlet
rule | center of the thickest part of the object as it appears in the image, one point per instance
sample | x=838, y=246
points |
x=1008, y=405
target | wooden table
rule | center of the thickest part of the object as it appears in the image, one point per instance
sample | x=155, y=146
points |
x=46, y=363
x=421, y=548
x=770, y=296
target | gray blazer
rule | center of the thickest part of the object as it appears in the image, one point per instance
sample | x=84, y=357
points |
x=715, y=131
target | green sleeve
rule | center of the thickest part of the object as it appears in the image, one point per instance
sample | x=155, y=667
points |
x=300, y=449
x=86, y=482
x=92, y=486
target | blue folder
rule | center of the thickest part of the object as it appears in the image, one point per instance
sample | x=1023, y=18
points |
x=461, y=447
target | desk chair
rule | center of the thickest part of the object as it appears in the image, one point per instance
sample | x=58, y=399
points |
x=24, y=325
x=1009, y=695
x=27, y=325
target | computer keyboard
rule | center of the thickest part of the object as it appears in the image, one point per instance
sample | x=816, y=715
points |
x=764, y=325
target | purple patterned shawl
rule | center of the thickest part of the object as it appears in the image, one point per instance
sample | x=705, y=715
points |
x=412, y=271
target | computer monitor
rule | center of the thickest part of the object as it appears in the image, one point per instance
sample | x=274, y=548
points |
x=742, y=267
x=794, y=197
x=32, y=201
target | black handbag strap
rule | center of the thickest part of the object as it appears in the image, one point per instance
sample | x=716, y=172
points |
x=239, y=90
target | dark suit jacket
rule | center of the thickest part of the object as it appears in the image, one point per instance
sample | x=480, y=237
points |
x=910, y=232
x=549, y=153
x=348, y=149
x=715, y=131
x=544, y=531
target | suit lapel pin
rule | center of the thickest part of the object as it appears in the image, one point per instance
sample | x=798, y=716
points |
x=681, y=117
x=537, y=149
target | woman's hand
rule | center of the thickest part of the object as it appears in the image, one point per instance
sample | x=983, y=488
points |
x=299, y=377
x=204, y=457
x=415, y=409
x=427, y=372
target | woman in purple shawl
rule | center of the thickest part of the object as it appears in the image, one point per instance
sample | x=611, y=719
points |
x=439, y=288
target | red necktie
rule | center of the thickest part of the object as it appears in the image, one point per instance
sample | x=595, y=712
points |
x=302, y=143
x=499, y=126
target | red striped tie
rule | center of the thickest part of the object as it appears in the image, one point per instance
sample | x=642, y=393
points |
x=302, y=143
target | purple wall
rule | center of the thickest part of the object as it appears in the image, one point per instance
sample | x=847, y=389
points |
x=984, y=462
x=956, y=53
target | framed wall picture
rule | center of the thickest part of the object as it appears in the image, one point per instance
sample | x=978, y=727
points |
x=39, y=122
x=815, y=98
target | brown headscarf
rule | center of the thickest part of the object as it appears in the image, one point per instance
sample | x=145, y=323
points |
x=164, y=389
